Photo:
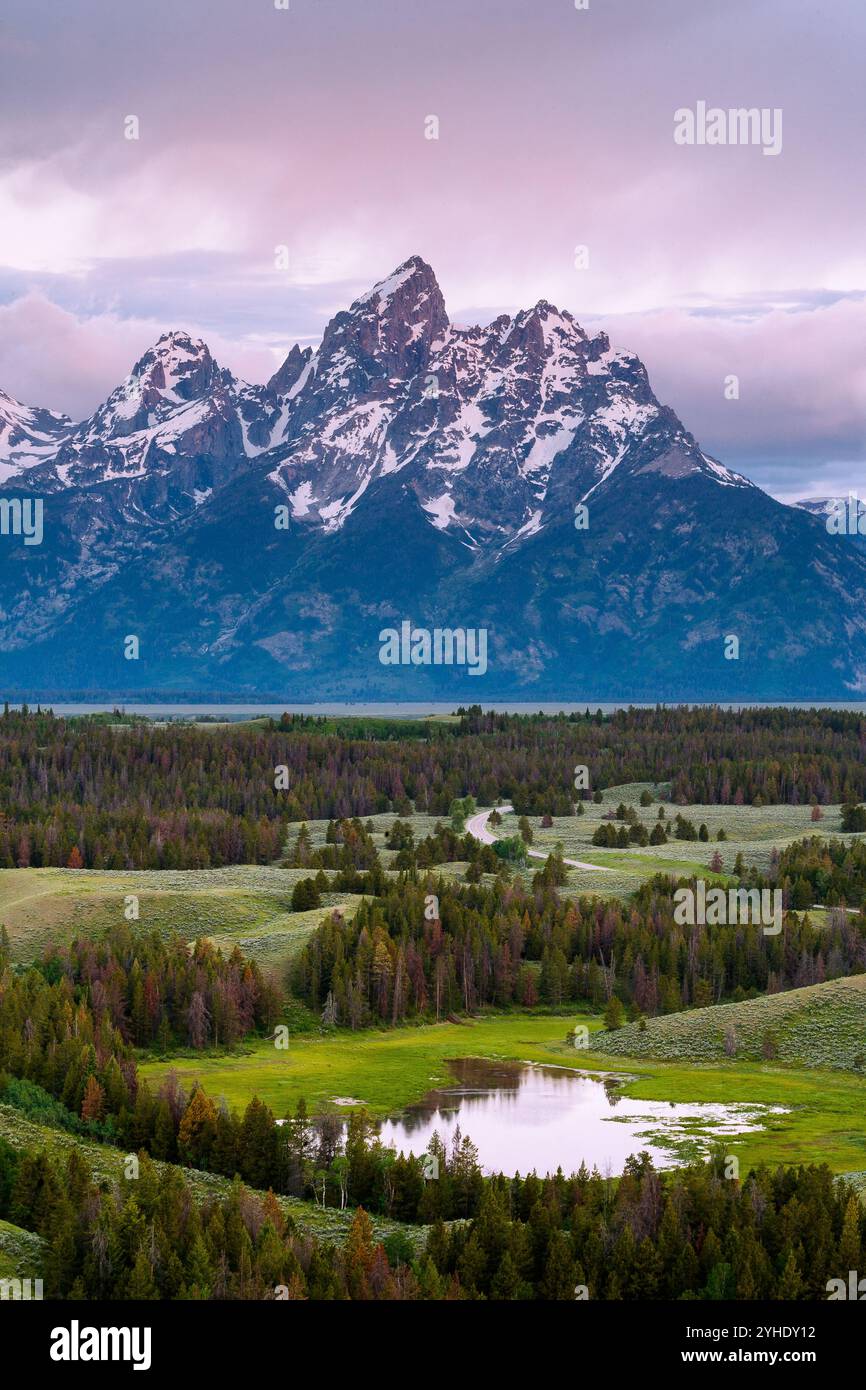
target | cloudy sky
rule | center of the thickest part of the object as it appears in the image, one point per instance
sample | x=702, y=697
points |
x=306, y=128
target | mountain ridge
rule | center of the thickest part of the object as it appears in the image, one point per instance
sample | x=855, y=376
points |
x=521, y=476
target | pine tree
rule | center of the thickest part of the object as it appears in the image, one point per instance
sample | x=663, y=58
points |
x=791, y=1286
x=141, y=1284
x=358, y=1255
x=850, y=1247
x=613, y=1014
x=197, y=1132
x=93, y=1104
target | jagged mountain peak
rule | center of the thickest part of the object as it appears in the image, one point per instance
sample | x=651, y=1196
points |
x=544, y=310
x=176, y=371
x=286, y=377
x=177, y=362
x=411, y=279
x=495, y=430
x=407, y=304
x=28, y=434
x=178, y=339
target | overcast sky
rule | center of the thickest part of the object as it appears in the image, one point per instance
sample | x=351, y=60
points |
x=306, y=128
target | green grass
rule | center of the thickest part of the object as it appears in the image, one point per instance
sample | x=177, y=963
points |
x=387, y=1070
x=248, y=906
x=383, y=1069
x=20, y=1253
x=273, y=944
x=824, y=1119
x=819, y=1026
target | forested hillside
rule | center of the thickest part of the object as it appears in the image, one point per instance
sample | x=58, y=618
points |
x=87, y=794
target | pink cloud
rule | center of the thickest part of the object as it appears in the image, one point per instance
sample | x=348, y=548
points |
x=51, y=358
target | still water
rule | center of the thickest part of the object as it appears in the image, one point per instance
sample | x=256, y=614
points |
x=523, y=1118
x=403, y=709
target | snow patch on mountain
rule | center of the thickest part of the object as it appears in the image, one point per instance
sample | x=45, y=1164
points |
x=302, y=500
x=384, y=290
x=440, y=510
x=726, y=476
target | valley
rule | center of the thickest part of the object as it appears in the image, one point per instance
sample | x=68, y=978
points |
x=478, y=988
x=433, y=701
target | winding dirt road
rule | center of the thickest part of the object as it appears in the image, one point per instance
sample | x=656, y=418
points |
x=478, y=829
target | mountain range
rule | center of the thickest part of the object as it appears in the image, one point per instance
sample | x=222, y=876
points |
x=519, y=478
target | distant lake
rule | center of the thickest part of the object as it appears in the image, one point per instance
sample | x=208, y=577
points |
x=412, y=710
x=523, y=1117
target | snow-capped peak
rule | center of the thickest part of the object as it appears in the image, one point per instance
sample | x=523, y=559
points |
x=497, y=431
x=178, y=366
x=28, y=435
x=399, y=312
x=178, y=369
x=414, y=272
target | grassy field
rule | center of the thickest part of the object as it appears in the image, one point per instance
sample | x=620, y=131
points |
x=248, y=906
x=751, y=830
x=820, y=1026
x=381, y=1069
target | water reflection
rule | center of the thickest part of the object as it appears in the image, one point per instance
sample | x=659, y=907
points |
x=523, y=1117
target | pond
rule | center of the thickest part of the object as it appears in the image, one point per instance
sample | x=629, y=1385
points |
x=523, y=1117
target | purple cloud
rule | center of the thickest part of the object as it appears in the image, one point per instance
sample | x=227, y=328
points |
x=306, y=128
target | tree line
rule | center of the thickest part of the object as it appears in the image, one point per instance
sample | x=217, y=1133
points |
x=830, y=872
x=430, y=947
x=780, y=1234
x=87, y=794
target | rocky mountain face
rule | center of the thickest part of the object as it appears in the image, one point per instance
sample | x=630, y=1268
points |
x=27, y=435
x=175, y=430
x=520, y=478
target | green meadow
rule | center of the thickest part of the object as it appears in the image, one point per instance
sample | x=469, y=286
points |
x=247, y=906
x=20, y=1252
x=387, y=1070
